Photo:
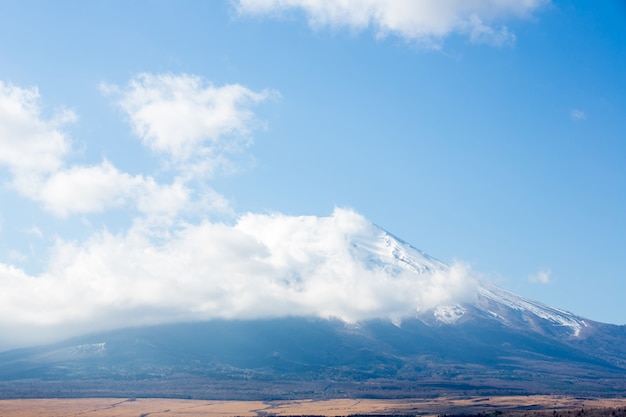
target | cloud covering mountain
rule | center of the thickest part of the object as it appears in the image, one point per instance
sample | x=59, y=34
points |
x=262, y=266
x=174, y=263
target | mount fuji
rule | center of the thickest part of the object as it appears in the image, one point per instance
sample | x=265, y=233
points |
x=484, y=340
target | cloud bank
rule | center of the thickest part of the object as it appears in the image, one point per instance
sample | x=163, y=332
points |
x=262, y=266
x=426, y=22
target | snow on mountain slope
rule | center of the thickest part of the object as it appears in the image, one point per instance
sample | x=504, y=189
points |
x=381, y=249
x=497, y=301
x=511, y=310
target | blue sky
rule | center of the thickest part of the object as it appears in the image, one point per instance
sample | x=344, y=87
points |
x=490, y=135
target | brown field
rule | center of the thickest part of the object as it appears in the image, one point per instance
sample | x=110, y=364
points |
x=153, y=407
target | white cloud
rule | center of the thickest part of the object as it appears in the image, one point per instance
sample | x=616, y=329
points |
x=93, y=189
x=30, y=144
x=263, y=266
x=155, y=198
x=192, y=122
x=578, y=115
x=425, y=21
x=86, y=189
x=541, y=277
x=174, y=114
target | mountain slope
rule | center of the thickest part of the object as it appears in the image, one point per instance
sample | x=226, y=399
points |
x=490, y=341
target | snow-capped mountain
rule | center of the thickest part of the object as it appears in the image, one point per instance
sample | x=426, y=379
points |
x=381, y=249
x=509, y=309
x=487, y=340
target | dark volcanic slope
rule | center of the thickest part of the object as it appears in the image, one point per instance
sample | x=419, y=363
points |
x=317, y=358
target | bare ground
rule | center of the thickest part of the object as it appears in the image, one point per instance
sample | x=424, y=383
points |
x=154, y=407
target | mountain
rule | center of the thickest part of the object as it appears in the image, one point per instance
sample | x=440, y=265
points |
x=492, y=342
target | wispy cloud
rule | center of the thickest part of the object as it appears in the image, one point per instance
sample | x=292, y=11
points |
x=17, y=256
x=578, y=115
x=34, y=231
x=541, y=277
x=426, y=22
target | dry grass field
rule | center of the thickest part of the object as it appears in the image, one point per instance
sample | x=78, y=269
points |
x=153, y=407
